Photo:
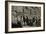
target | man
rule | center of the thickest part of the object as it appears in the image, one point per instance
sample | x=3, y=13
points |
x=19, y=21
x=24, y=20
x=27, y=20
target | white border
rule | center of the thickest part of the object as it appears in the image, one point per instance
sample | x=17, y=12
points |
x=23, y=29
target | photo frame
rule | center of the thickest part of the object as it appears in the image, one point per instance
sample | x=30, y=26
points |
x=21, y=16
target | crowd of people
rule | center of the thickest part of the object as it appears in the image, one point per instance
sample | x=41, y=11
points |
x=21, y=21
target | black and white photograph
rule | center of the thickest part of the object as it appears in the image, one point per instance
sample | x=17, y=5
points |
x=24, y=16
